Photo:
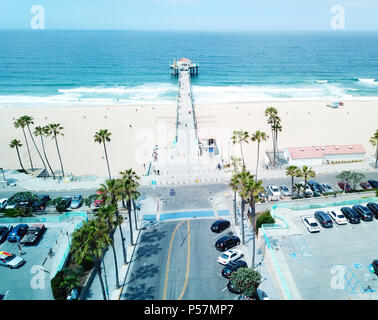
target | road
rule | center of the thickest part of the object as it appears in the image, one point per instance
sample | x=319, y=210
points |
x=177, y=261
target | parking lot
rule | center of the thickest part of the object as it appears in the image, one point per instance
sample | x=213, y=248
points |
x=331, y=264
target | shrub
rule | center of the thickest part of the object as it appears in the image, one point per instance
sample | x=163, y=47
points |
x=60, y=205
x=264, y=218
x=246, y=280
x=87, y=264
x=58, y=290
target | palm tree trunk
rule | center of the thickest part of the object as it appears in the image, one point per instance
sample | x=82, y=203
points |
x=107, y=161
x=376, y=157
x=27, y=146
x=253, y=209
x=135, y=217
x=258, y=155
x=274, y=148
x=122, y=237
x=19, y=159
x=292, y=185
x=241, y=151
x=131, y=225
x=236, y=220
x=36, y=148
x=98, y=268
x=276, y=143
x=60, y=159
x=44, y=152
x=242, y=219
x=115, y=264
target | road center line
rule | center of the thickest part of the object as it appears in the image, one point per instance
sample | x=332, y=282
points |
x=168, y=261
x=187, y=266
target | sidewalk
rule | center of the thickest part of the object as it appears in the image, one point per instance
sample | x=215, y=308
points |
x=107, y=266
x=268, y=285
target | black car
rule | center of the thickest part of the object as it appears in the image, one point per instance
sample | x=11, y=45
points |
x=315, y=186
x=351, y=215
x=220, y=225
x=41, y=202
x=33, y=234
x=373, y=183
x=230, y=287
x=67, y=200
x=324, y=219
x=232, y=267
x=227, y=242
x=4, y=233
x=373, y=207
x=375, y=266
x=363, y=212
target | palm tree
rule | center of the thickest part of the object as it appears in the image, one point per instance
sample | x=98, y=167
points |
x=237, y=183
x=110, y=192
x=28, y=120
x=55, y=130
x=252, y=188
x=298, y=187
x=277, y=128
x=271, y=113
x=374, y=142
x=41, y=131
x=307, y=173
x=20, y=123
x=90, y=241
x=130, y=185
x=240, y=136
x=235, y=165
x=108, y=214
x=258, y=136
x=17, y=144
x=103, y=136
x=292, y=171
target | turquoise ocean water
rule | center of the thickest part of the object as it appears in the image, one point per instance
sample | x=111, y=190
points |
x=39, y=68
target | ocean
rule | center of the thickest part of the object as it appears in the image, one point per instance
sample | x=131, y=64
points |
x=43, y=68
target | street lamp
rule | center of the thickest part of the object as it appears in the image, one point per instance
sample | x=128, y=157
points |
x=2, y=170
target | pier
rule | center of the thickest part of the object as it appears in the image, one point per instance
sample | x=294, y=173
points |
x=190, y=159
x=184, y=64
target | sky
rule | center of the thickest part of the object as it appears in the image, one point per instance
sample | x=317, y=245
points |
x=193, y=15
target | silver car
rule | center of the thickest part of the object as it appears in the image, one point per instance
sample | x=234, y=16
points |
x=326, y=187
x=77, y=201
x=285, y=191
x=10, y=260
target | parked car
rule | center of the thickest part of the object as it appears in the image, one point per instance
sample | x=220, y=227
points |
x=373, y=183
x=232, y=288
x=373, y=207
x=232, y=267
x=67, y=200
x=308, y=191
x=366, y=185
x=326, y=187
x=316, y=194
x=363, y=212
x=4, y=231
x=33, y=234
x=227, y=242
x=310, y=224
x=3, y=203
x=315, y=186
x=347, y=186
x=262, y=196
x=230, y=255
x=337, y=216
x=17, y=231
x=41, y=202
x=274, y=192
x=375, y=266
x=77, y=201
x=285, y=191
x=350, y=214
x=220, y=225
x=324, y=219
x=10, y=260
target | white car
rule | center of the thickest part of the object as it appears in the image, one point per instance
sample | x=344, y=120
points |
x=3, y=203
x=274, y=191
x=310, y=224
x=230, y=255
x=337, y=216
x=308, y=190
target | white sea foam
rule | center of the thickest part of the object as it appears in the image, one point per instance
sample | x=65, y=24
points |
x=322, y=81
x=370, y=81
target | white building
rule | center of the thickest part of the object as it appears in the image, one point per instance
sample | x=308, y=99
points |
x=317, y=155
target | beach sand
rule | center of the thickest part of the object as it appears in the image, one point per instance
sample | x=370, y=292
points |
x=137, y=129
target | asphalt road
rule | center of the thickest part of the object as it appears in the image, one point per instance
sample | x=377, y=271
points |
x=177, y=260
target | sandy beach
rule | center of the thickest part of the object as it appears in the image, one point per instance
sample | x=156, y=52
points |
x=137, y=129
